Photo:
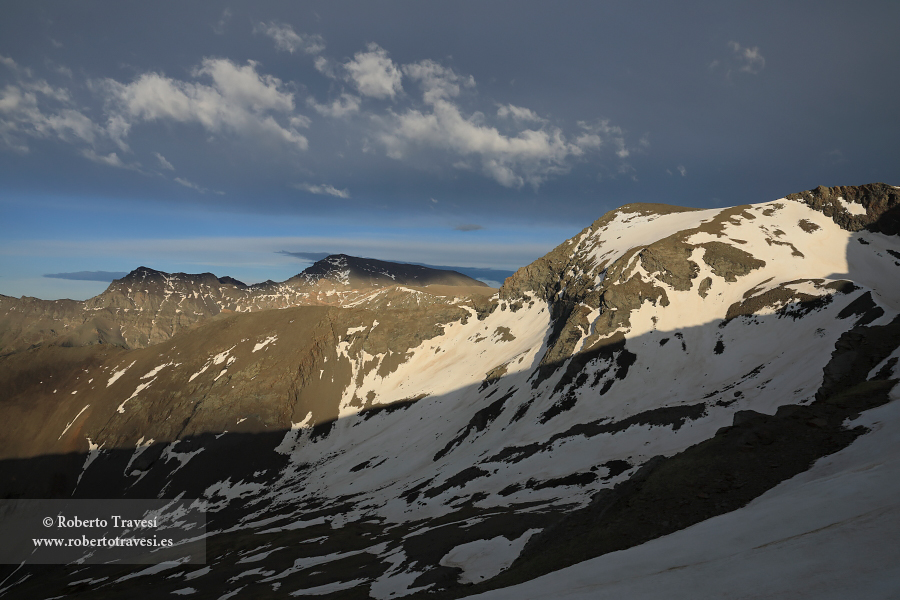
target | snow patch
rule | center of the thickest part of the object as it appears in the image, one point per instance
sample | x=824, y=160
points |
x=264, y=343
x=483, y=559
x=141, y=387
x=852, y=207
x=72, y=421
x=118, y=374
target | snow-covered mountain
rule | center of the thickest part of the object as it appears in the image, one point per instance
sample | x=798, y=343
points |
x=623, y=417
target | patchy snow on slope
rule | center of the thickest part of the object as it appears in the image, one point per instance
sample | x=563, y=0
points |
x=118, y=374
x=630, y=230
x=141, y=387
x=483, y=559
x=156, y=370
x=72, y=421
x=93, y=452
x=139, y=448
x=799, y=534
x=264, y=343
x=329, y=588
x=219, y=358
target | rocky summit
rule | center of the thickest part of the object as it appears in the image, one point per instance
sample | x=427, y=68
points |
x=665, y=405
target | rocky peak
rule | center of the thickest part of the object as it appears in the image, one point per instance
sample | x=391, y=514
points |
x=143, y=273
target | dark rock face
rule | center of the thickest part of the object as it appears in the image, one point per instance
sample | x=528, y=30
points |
x=729, y=262
x=880, y=201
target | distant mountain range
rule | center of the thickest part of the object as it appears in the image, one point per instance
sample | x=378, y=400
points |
x=672, y=403
x=148, y=306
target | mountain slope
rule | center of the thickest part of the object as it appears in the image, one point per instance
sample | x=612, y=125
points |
x=663, y=367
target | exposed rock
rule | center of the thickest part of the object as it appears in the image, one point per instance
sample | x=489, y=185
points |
x=729, y=262
x=880, y=201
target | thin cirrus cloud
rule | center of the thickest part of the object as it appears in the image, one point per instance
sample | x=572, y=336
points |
x=287, y=40
x=112, y=159
x=88, y=275
x=322, y=190
x=743, y=60
x=199, y=188
x=163, y=162
x=31, y=108
x=750, y=59
x=342, y=106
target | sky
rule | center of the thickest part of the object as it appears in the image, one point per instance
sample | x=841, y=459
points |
x=239, y=137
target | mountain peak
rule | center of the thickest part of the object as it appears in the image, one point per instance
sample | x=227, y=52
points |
x=355, y=271
x=143, y=272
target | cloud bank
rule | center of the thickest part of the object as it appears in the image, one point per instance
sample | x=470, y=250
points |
x=422, y=114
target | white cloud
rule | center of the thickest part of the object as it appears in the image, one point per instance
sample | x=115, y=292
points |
x=190, y=184
x=163, y=162
x=288, y=40
x=345, y=105
x=745, y=60
x=323, y=190
x=111, y=159
x=33, y=108
x=220, y=27
x=519, y=113
x=239, y=101
x=373, y=73
x=594, y=135
x=327, y=67
x=527, y=155
x=682, y=170
x=15, y=67
x=437, y=81
x=229, y=99
x=750, y=58
x=63, y=70
x=244, y=87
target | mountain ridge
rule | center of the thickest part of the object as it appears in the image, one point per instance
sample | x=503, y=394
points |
x=162, y=303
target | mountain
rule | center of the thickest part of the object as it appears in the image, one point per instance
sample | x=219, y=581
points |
x=365, y=272
x=673, y=401
x=147, y=306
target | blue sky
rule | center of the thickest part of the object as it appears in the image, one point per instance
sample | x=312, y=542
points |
x=213, y=136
